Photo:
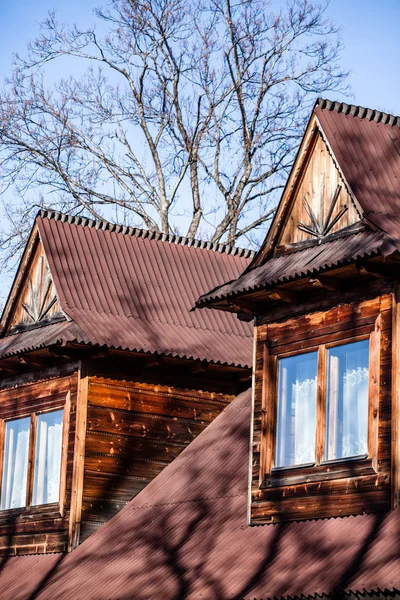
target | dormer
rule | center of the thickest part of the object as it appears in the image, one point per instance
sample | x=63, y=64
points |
x=105, y=375
x=324, y=295
x=321, y=203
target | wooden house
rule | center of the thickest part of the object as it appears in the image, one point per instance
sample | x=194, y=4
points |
x=293, y=490
x=105, y=375
x=323, y=292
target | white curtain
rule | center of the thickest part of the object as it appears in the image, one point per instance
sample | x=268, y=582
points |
x=297, y=389
x=46, y=483
x=347, y=406
x=15, y=463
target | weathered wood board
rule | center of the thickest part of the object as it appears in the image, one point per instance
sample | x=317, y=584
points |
x=134, y=430
x=37, y=300
x=321, y=203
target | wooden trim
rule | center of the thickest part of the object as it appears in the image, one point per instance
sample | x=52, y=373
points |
x=64, y=452
x=343, y=469
x=31, y=460
x=268, y=412
x=321, y=405
x=79, y=457
x=20, y=277
x=293, y=181
x=373, y=392
x=253, y=399
x=269, y=404
x=2, y=440
x=395, y=451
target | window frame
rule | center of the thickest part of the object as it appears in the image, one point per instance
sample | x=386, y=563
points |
x=320, y=470
x=64, y=405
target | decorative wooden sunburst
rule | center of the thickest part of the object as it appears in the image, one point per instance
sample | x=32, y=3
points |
x=319, y=228
x=42, y=296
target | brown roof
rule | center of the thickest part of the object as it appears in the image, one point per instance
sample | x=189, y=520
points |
x=366, y=145
x=305, y=263
x=131, y=289
x=185, y=536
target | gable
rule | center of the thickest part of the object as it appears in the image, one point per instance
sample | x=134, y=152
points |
x=321, y=203
x=119, y=286
x=33, y=300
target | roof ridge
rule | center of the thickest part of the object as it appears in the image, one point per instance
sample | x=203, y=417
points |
x=146, y=233
x=354, y=110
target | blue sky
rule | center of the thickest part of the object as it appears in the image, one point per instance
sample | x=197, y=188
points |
x=370, y=31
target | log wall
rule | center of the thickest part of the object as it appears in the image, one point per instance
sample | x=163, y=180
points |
x=134, y=430
x=351, y=487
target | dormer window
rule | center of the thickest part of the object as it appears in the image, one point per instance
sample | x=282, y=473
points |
x=341, y=373
x=321, y=408
x=32, y=460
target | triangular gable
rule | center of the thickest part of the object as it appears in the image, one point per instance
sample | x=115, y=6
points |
x=317, y=200
x=321, y=203
x=33, y=299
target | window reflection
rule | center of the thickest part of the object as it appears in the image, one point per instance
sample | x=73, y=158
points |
x=297, y=390
x=46, y=483
x=15, y=463
x=346, y=428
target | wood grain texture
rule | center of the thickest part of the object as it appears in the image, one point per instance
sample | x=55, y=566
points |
x=78, y=457
x=44, y=528
x=134, y=430
x=395, y=450
x=328, y=490
x=36, y=300
x=313, y=204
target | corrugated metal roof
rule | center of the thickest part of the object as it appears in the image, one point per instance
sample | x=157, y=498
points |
x=132, y=289
x=304, y=263
x=185, y=536
x=366, y=144
x=42, y=337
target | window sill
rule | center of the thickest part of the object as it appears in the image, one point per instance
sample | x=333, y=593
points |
x=52, y=509
x=338, y=469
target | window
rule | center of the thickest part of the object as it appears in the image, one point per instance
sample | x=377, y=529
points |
x=343, y=372
x=32, y=460
x=15, y=463
x=346, y=432
x=297, y=395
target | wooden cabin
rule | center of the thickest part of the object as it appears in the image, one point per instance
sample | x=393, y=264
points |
x=293, y=490
x=105, y=375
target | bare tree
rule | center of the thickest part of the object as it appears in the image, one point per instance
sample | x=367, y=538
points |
x=187, y=116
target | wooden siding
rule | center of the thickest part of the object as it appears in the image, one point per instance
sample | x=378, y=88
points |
x=325, y=491
x=40, y=529
x=37, y=300
x=133, y=431
x=316, y=186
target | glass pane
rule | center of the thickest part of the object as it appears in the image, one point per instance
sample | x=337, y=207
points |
x=15, y=463
x=297, y=394
x=46, y=482
x=346, y=430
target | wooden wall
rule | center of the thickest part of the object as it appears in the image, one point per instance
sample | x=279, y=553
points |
x=308, y=493
x=40, y=529
x=317, y=185
x=134, y=430
x=37, y=302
